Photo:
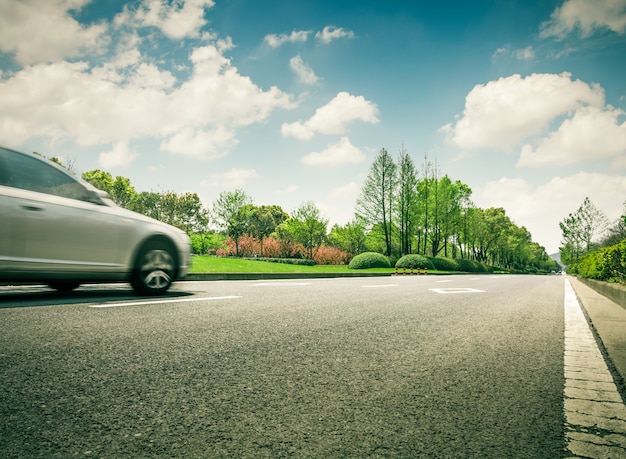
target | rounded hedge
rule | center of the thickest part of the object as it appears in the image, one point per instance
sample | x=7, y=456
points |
x=369, y=260
x=444, y=263
x=414, y=261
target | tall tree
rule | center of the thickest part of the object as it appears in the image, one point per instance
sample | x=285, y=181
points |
x=231, y=215
x=375, y=203
x=309, y=227
x=264, y=220
x=407, y=200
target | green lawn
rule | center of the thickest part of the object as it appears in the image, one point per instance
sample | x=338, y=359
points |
x=209, y=264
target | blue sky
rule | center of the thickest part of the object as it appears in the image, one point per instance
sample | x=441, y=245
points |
x=524, y=101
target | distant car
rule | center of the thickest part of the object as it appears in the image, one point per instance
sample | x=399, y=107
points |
x=61, y=231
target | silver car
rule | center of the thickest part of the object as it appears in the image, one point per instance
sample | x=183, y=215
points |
x=61, y=231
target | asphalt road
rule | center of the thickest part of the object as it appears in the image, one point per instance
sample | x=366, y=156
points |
x=437, y=366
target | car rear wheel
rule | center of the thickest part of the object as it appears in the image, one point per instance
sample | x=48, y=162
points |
x=155, y=269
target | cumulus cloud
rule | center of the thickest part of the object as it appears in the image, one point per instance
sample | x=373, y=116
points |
x=304, y=73
x=176, y=20
x=330, y=33
x=592, y=133
x=541, y=208
x=108, y=103
x=348, y=191
x=35, y=31
x=333, y=117
x=502, y=113
x=336, y=154
x=119, y=156
x=234, y=178
x=296, y=36
x=587, y=16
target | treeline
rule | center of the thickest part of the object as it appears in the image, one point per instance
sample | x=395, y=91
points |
x=400, y=211
x=424, y=212
x=594, y=247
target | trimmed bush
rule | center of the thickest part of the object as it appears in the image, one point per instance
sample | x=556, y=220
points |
x=414, y=261
x=286, y=261
x=369, y=260
x=444, y=264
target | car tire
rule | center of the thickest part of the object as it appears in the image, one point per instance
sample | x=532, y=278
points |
x=64, y=286
x=155, y=269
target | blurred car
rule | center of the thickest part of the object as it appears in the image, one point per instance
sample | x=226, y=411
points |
x=61, y=231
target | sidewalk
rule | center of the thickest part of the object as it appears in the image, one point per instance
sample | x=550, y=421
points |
x=608, y=321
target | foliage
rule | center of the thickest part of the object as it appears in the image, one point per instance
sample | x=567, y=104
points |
x=326, y=255
x=374, y=205
x=207, y=243
x=350, y=238
x=606, y=264
x=444, y=263
x=307, y=227
x=369, y=260
x=579, y=230
x=414, y=261
x=288, y=261
x=469, y=266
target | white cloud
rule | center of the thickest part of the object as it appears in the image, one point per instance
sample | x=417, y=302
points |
x=592, y=133
x=233, y=178
x=503, y=113
x=336, y=154
x=202, y=144
x=522, y=54
x=330, y=33
x=304, y=73
x=275, y=41
x=44, y=31
x=119, y=156
x=176, y=20
x=540, y=209
x=290, y=189
x=348, y=191
x=525, y=54
x=333, y=117
x=586, y=15
x=113, y=103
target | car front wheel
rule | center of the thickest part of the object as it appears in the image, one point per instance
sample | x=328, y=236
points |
x=154, y=272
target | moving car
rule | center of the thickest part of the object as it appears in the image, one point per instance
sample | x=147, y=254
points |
x=61, y=231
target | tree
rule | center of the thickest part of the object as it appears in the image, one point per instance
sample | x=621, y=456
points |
x=308, y=227
x=407, y=201
x=375, y=203
x=119, y=189
x=264, y=220
x=100, y=179
x=349, y=238
x=579, y=230
x=231, y=214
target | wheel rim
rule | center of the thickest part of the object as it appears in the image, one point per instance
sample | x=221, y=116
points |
x=156, y=269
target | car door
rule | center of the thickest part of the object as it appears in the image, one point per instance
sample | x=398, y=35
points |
x=57, y=225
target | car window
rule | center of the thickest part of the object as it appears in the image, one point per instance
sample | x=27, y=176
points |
x=27, y=173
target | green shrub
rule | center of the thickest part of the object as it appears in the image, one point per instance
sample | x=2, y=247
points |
x=444, y=263
x=414, y=261
x=369, y=260
x=470, y=266
x=287, y=261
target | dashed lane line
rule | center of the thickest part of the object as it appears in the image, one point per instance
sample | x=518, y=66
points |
x=174, y=300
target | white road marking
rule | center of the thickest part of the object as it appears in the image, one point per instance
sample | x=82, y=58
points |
x=595, y=416
x=444, y=281
x=176, y=300
x=380, y=286
x=267, y=284
x=456, y=290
